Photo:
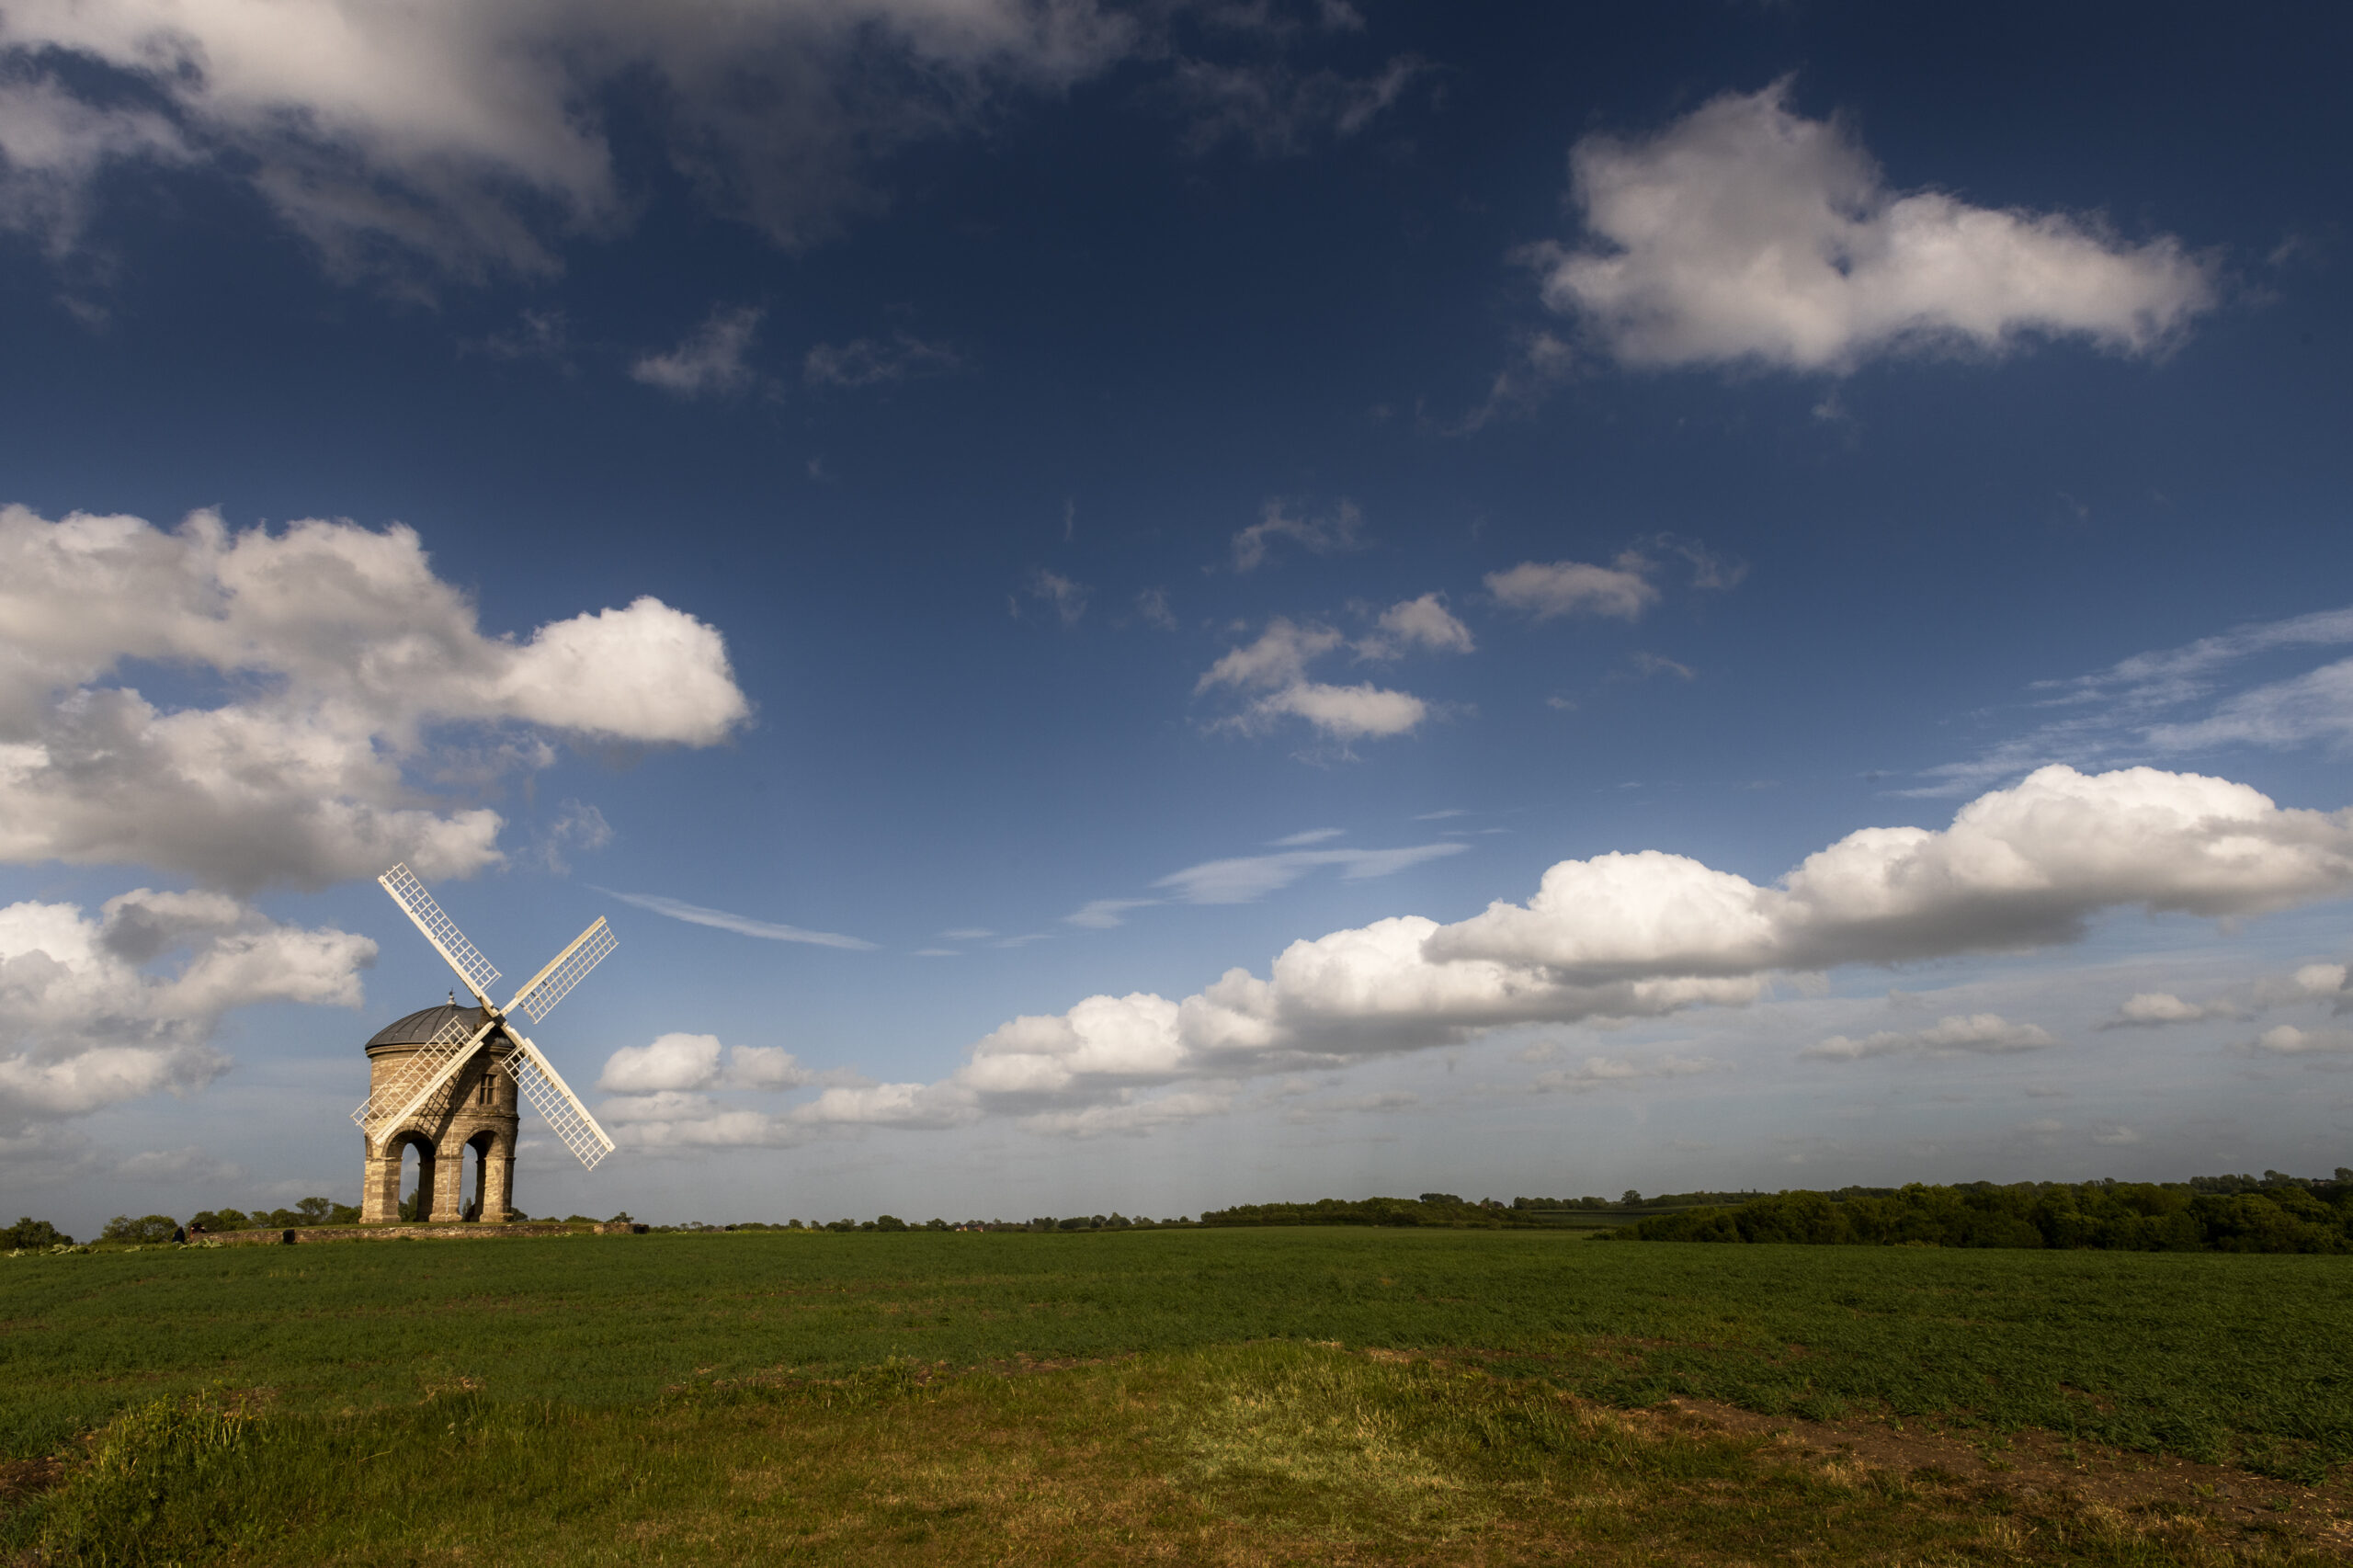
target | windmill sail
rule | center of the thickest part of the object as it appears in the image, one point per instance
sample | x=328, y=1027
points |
x=553, y=1100
x=476, y=970
x=436, y=1062
x=421, y=1085
x=428, y=1073
x=565, y=971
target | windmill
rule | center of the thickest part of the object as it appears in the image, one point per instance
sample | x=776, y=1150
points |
x=420, y=1086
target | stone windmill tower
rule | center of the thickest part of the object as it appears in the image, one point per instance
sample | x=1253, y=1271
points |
x=449, y=1079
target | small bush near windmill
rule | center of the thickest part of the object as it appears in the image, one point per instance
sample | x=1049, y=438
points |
x=146, y=1229
x=220, y=1219
x=28, y=1233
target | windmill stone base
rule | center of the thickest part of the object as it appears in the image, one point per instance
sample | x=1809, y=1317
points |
x=477, y=1113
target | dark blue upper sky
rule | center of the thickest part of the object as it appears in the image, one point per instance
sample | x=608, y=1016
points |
x=1788, y=420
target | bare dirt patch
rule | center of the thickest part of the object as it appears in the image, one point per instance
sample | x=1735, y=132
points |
x=20, y=1479
x=2028, y=1465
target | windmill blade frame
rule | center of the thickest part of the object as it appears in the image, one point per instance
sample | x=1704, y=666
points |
x=477, y=971
x=540, y=1084
x=565, y=971
x=426, y=1073
x=430, y=1070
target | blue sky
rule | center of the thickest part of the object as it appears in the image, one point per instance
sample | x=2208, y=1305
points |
x=1067, y=501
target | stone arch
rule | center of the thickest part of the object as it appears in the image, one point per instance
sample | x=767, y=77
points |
x=379, y=1201
x=475, y=1118
x=489, y=1154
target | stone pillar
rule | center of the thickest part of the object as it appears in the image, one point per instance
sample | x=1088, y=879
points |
x=379, y=1185
x=498, y=1181
x=428, y=1185
x=449, y=1193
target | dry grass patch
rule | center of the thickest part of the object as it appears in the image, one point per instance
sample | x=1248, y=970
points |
x=1254, y=1456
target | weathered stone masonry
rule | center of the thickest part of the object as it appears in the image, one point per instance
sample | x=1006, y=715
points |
x=476, y=1114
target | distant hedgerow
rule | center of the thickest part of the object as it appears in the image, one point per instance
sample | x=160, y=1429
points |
x=2283, y=1215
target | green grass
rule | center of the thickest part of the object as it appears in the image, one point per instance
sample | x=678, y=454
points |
x=2211, y=1357
x=741, y=1397
x=1259, y=1454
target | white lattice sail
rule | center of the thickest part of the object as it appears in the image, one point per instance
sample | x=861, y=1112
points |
x=566, y=971
x=411, y=1088
x=553, y=1100
x=421, y=1085
x=476, y=970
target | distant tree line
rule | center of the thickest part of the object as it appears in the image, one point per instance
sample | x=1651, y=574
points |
x=1112, y=1222
x=27, y=1233
x=1429, y=1209
x=1447, y=1210
x=307, y=1214
x=2274, y=1213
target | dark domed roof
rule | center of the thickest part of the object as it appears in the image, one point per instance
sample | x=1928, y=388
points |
x=420, y=1026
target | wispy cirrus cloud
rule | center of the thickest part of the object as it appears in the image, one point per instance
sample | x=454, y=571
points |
x=742, y=925
x=872, y=362
x=1280, y=521
x=1103, y=914
x=1248, y=877
x=710, y=361
x=1618, y=1072
x=1279, y=111
x=1245, y=878
x=2175, y=702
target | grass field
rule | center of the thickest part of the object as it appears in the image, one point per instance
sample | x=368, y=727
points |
x=1186, y=1395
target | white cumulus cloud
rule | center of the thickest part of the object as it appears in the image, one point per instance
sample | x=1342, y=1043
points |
x=1746, y=233
x=2018, y=868
x=1546, y=589
x=2309, y=983
x=1363, y=712
x=1645, y=934
x=2287, y=1040
x=1276, y=664
x=97, y=1011
x=1425, y=623
x=348, y=664
x=1278, y=657
x=2159, y=1007
x=465, y=139
x=686, y=1062
x=1980, y=1034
